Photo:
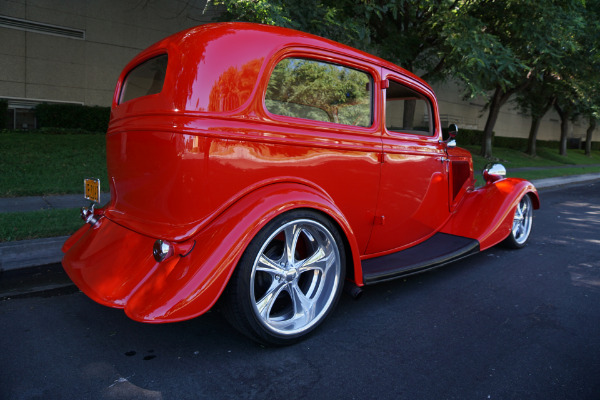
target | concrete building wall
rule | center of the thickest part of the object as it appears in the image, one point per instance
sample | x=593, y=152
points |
x=48, y=66
x=470, y=114
x=99, y=37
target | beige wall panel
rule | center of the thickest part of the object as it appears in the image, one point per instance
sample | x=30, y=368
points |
x=120, y=11
x=134, y=24
x=548, y=131
x=12, y=89
x=14, y=8
x=12, y=42
x=12, y=69
x=104, y=64
x=55, y=48
x=98, y=97
x=164, y=16
x=68, y=13
x=110, y=32
x=55, y=74
x=512, y=124
x=56, y=93
x=99, y=77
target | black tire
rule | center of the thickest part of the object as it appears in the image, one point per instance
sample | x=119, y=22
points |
x=522, y=224
x=288, y=280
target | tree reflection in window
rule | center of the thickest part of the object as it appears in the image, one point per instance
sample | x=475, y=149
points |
x=320, y=91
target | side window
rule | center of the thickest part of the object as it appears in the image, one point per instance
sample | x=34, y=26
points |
x=145, y=79
x=407, y=111
x=320, y=91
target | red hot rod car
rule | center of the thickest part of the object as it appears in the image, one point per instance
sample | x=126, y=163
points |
x=267, y=168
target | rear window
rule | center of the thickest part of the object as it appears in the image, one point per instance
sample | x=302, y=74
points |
x=145, y=79
x=320, y=91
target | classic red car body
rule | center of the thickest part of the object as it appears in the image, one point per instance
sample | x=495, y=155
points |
x=204, y=165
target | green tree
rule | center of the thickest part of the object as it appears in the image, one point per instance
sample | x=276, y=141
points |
x=496, y=48
x=527, y=41
x=570, y=85
x=415, y=34
x=590, y=52
x=419, y=35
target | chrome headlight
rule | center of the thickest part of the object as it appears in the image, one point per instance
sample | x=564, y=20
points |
x=493, y=172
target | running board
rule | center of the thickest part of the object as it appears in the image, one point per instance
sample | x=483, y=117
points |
x=436, y=251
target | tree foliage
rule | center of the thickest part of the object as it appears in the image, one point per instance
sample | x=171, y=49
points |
x=416, y=34
x=497, y=49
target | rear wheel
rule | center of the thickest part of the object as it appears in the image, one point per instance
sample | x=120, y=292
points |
x=522, y=223
x=288, y=279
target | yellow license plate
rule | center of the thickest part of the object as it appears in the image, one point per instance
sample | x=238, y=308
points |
x=92, y=189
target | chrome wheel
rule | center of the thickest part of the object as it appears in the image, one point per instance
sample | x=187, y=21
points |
x=295, y=277
x=288, y=280
x=522, y=222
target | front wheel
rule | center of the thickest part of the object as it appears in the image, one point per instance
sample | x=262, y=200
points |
x=288, y=280
x=522, y=223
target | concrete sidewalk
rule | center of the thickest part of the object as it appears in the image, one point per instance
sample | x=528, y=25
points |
x=36, y=203
x=32, y=253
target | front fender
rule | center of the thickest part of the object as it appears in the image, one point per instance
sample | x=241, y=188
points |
x=183, y=287
x=486, y=214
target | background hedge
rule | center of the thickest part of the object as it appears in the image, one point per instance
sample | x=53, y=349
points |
x=3, y=114
x=473, y=137
x=73, y=116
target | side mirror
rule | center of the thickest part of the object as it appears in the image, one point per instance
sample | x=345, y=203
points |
x=452, y=132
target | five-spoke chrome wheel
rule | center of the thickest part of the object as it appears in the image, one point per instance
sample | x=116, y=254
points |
x=522, y=222
x=289, y=278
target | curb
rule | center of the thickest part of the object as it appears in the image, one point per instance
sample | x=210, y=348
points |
x=565, y=180
x=31, y=253
x=53, y=202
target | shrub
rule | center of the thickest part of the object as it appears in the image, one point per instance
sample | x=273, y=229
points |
x=466, y=137
x=73, y=116
x=3, y=114
x=474, y=137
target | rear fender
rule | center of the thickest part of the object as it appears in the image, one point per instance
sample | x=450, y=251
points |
x=185, y=287
x=486, y=214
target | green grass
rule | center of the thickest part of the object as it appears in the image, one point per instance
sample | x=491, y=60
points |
x=39, y=164
x=43, y=164
x=546, y=158
x=541, y=174
x=38, y=224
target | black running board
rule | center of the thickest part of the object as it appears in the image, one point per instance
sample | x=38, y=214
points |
x=436, y=251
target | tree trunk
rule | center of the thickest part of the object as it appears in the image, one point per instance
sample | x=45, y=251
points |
x=488, y=131
x=588, y=137
x=535, y=126
x=533, y=131
x=410, y=106
x=564, y=129
x=499, y=98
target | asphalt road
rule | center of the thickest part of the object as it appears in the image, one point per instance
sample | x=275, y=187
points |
x=502, y=324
